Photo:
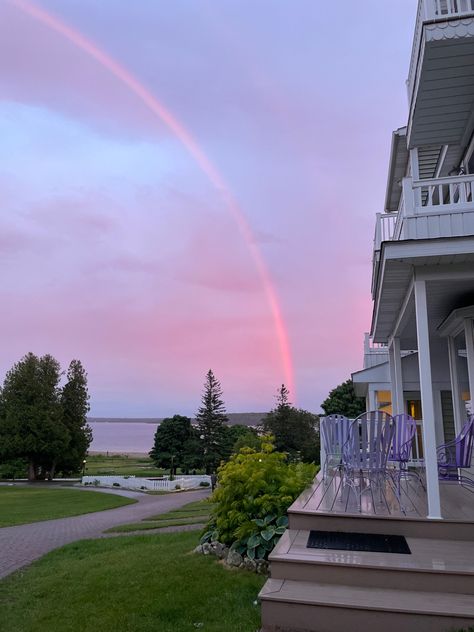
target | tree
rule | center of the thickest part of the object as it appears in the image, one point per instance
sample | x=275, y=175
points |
x=211, y=418
x=75, y=406
x=175, y=444
x=295, y=430
x=342, y=400
x=31, y=425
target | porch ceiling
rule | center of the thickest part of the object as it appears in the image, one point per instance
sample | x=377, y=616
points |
x=442, y=105
x=442, y=297
x=397, y=263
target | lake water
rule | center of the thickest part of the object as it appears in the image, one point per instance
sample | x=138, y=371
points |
x=122, y=436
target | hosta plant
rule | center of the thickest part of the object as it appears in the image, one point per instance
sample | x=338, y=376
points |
x=263, y=540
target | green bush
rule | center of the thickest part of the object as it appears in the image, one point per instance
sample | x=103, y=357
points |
x=204, y=484
x=255, y=490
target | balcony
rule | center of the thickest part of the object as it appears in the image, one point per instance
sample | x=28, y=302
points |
x=428, y=209
x=431, y=208
x=440, y=87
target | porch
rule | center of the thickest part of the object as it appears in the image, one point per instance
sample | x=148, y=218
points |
x=429, y=590
x=332, y=499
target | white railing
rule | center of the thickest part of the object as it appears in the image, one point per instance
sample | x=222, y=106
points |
x=146, y=484
x=429, y=10
x=431, y=208
x=417, y=459
x=384, y=228
x=450, y=193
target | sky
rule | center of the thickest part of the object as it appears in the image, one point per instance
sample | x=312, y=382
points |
x=192, y=184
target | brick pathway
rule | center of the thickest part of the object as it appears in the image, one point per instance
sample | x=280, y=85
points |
x=23, y=544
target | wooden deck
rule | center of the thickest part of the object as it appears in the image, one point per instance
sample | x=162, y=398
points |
x=457, y=502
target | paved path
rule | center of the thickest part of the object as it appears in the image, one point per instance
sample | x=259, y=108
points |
x=23, y=544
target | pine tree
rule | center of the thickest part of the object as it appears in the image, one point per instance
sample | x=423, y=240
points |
x=211, y=418
x=75, y=406
x=31, y=425
x=295, y=431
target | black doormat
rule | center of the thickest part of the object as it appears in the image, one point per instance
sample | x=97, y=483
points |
x=370, y=542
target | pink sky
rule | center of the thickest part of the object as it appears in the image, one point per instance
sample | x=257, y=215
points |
x=116, y=247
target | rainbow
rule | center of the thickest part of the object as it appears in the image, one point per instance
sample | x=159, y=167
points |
x=151, y=102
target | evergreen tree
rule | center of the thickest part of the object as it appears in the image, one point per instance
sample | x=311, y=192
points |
x=342, y=400
x=31, y=426
x=211, y=418
x=174, y=444
x=75, y=406
x=295, y=431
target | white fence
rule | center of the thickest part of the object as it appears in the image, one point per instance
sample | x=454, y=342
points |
x=146, y=484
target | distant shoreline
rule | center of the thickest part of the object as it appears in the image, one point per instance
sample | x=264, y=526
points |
x=245, y=419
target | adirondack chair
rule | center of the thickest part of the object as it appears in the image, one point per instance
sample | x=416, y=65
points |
x=365, y=453
x=334, y=434
x=456, y=455
x=401, y=448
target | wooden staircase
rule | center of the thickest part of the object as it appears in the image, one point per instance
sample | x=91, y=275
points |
x=315, y=590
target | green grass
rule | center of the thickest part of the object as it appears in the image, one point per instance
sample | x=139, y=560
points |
x=121, y=465
x=196, y=512
x=130, y=584
x=156, y=524
x=20, y=505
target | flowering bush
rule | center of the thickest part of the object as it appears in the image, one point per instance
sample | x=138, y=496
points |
x=254, y=492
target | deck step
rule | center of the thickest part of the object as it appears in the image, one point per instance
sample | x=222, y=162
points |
x=300, y=518
x=301, y=606
x=434, y=565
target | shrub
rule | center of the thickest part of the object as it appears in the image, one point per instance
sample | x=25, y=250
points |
x=177, y=487
x=116, y=484
x=255, y=490
x=204, y=484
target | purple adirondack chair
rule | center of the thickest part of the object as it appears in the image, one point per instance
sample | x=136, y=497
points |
x=401, y=448
x=334, y=434
x=366, y=451
x=456, y=455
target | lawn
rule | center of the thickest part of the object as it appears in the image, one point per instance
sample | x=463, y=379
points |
x=131, y=584
x=20, y=505
x=196, y=512
x=121, y=465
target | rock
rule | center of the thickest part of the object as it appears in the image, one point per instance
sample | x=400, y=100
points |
x=206, y=548
x=250, y=565
x=198, y=549
x=234, y=558
x=262, y=567
x=218, y=548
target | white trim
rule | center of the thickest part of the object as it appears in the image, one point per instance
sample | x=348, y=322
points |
x=469, y=332
x=455, y=390
x=427, y=402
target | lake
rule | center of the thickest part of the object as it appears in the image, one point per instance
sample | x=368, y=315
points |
x=122, y=436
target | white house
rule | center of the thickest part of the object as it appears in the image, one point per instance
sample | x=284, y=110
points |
x=418, y=358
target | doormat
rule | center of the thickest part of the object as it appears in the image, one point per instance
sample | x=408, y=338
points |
x=370, y=542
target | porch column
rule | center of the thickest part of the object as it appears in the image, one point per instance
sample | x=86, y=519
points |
x=459, y=415
x=426, y=388
x=469, y=333
x=372, y=403
x=396, y=378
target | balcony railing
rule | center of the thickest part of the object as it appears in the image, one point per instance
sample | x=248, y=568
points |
x=429, y=10
x=438, y=207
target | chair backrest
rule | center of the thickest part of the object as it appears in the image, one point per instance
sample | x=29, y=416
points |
x=334, y=432
x=465, y=443
x=370, y=437
x=402, y=442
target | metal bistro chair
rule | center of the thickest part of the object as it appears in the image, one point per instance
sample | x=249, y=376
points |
x=334, y=434
x=457, y=454
x=401, y=449
x=366, y=451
